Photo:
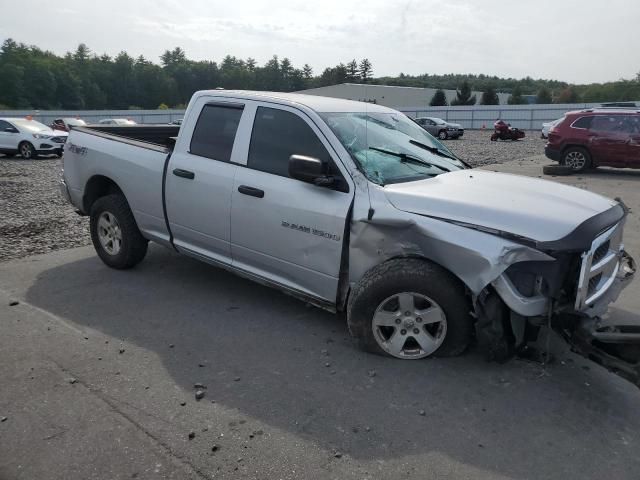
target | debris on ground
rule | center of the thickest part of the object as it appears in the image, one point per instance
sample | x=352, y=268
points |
x=199, y=394
x=422, y=413
x=13, y=303
x=191, y=435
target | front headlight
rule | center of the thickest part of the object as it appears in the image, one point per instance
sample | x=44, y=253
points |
x=41, y=136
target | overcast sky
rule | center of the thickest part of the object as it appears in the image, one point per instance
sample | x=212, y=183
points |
x=578, y=41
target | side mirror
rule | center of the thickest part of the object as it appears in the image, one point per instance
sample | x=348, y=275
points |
x=310, y=170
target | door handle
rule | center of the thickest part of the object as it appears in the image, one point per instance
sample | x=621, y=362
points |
x=178, y=172
x=254, y=192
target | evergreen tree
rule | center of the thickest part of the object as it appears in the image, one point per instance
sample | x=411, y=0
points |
x=464, y=95
x=353, y=73
x=490, y=97
x=307, y=72
x=516, y=97
x=439, y=99
x=365, y=70
x=544, y=96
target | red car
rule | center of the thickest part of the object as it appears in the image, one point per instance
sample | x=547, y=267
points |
x=591, y=138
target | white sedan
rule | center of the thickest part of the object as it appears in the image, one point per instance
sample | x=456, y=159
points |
x=548, y=126
x=30, y=138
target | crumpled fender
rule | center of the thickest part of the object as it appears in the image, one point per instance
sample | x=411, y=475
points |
x=383, y=232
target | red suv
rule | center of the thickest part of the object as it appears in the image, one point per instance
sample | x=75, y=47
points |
x=592, y=138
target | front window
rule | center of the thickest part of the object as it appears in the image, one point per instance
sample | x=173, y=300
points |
x=390, y=148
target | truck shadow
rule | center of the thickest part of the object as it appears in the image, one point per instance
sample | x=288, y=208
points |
x=501, y=418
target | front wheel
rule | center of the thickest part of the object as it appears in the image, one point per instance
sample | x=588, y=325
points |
x=115, y=234
x=410, y=309
x=443, y=135
x=27, y=151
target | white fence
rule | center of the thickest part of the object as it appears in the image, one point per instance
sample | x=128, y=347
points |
x=528, y=117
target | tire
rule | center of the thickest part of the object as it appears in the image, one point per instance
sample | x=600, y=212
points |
x=431, y=288
x=494, y=137
x=27, y=151
x=443, y=135
x=557, y=170
x=115, y=234
x=577, y=158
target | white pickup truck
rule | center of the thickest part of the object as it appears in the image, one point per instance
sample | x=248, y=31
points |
x=355, y=208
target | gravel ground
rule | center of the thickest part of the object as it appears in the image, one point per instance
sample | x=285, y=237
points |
x=35, y=219
x=477, y=149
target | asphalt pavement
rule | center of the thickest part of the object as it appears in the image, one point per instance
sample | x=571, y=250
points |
x=99, y=373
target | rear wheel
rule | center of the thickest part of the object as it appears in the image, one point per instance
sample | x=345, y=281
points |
x=577, y=158
x=115, y=234
x=410, y=309
x=27, y=151
x=443, y=135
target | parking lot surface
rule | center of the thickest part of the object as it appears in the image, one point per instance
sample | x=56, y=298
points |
x=99, y=368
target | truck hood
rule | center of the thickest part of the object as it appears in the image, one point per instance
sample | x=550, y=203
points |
x=539, y=210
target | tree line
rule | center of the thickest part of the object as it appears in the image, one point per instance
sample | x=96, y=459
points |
x=33, y=78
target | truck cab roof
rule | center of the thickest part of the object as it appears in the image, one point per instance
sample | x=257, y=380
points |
x=314, y=102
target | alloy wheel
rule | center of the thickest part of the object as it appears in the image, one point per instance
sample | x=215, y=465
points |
x=109, y=233
x=409, y=325
x=575, y=160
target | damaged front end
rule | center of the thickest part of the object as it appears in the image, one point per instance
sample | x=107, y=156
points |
x=571, y=296
x=518, y=285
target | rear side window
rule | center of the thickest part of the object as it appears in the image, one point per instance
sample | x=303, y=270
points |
x=582, y=122
x=278, y=134
x=215, y=132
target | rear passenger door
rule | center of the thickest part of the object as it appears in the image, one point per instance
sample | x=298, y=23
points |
x=608, y=142
x=283, y=229
x=199, y=181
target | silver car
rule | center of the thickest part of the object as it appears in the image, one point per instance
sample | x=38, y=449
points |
x=440, y=128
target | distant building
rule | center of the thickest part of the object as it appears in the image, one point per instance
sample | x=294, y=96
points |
x=388, y=95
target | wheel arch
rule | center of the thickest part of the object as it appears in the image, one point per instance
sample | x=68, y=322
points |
x=344, y=300
x=98, y=186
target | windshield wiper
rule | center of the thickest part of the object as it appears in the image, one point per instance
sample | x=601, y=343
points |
x=406, y=157
x=435, y=150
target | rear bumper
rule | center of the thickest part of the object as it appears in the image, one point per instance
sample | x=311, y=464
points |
x=552, y=153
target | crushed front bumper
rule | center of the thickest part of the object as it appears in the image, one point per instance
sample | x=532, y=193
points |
x=613, y=343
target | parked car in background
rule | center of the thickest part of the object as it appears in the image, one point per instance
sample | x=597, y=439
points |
x=117, y=121
x=65, y=124
x=177, y=122
x=547, y=126
x=29, y=138
x=353, y=207
x=439, y=128
x=596, y=137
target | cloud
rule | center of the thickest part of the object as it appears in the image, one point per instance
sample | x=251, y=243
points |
x=579, y=41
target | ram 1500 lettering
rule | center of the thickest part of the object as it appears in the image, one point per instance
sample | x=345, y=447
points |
x=353, y=207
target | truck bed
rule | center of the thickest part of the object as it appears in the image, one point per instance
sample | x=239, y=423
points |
x=154, y=137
